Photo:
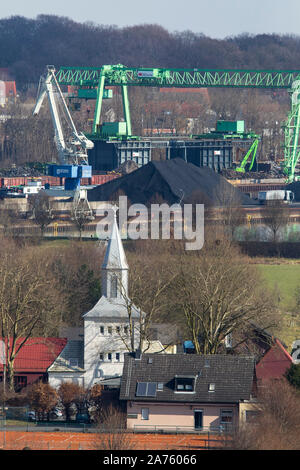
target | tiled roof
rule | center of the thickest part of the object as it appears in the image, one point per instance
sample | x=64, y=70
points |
x=232, y=376
x=37, y=354
x=115, y=308
x=72, y=351
x=274, y=363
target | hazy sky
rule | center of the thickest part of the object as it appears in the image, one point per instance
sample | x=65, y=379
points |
x=215, y=18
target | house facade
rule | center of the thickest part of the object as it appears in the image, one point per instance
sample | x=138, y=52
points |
x=187, y=391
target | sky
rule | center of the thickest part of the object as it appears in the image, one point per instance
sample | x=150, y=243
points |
x=214, y=18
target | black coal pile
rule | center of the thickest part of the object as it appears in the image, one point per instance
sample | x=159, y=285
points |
x=171, y=181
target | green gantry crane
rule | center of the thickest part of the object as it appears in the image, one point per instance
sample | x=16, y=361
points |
x=98, y=78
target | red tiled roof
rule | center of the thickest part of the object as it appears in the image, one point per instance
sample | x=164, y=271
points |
x=38, y=354
x=274, y=363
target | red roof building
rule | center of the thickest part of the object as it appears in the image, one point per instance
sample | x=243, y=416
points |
x=274, y=363
x=34, y=358
x=10, y=89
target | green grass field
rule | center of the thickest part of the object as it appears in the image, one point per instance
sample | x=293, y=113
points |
x=284, y=279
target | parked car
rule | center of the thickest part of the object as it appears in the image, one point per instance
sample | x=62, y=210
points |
x=56, y=413
x=31, y=416
x=83, y=418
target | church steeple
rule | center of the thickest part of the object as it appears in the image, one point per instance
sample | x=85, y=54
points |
x=114, y=267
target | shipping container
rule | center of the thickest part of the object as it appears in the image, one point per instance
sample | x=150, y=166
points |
x=102, y=179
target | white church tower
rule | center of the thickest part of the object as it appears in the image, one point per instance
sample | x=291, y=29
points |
x=108, y=333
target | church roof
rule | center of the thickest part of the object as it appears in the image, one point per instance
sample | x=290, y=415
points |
x=115, y=308
x=70, y=359
x=115, y=255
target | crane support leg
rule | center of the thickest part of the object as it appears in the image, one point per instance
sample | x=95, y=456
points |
x=99, y=100
x=126, y=109
x=291, y=135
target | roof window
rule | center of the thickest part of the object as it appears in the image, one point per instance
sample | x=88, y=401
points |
x=184, y=384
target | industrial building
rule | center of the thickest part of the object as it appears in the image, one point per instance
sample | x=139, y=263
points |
x=221, y=149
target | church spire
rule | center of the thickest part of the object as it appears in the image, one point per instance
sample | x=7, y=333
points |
x=114, y=267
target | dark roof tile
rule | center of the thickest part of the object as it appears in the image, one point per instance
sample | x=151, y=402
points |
x=232, y=376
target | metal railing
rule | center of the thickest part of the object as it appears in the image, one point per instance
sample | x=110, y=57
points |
x=218, y=430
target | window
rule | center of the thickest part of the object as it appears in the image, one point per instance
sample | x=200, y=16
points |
x=145, y=413
x=184, y=384
x=73, y=362
x=101, y=357
x=160, y=386
x=126, y=330
x=118, y=357
x=251, y=416
x=20, y=381
x=118, y=329
x=109, y=330
x=211, y=387
x=102, y=330
x=114, y=287
x=226, y=417
x=109, y=356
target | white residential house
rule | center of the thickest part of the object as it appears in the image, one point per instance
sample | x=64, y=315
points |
x=106, y=327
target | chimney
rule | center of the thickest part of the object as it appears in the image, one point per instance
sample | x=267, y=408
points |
x=138, y=353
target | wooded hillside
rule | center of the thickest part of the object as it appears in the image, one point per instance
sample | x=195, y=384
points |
x=27, y=45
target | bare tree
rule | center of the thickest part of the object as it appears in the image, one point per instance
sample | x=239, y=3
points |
x=112, y=433
x=28, y=295
x=150, y=284
x=81, y=215
x=275, y=217
x=220, y=293
x=42, y=211
x=275, y=425
x=231, y=213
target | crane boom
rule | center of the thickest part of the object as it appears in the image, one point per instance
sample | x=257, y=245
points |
x=74, y=150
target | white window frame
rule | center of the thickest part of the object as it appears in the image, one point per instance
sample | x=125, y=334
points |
x=145, y=414
x=229, y=412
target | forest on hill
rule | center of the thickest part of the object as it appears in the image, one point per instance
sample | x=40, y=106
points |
x=28, y=45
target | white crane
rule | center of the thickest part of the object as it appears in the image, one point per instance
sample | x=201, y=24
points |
x=73, y=150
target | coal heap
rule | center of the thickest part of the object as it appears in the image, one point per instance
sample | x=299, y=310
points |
x=171, y=181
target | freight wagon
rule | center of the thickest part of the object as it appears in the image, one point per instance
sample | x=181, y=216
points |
x=8, y=182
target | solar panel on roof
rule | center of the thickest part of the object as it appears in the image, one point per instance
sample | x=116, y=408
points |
x=141, y=389
x=146, y=389
x=151, y=390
